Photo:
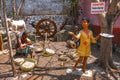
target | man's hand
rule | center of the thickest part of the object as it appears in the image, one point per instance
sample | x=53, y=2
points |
x=22, y=46
x=73, y=35
x=70, y=33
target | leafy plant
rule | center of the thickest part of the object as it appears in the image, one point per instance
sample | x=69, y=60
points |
x=73, y=11
x=73, y=3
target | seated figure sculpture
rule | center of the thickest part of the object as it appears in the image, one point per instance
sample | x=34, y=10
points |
x=24, y=45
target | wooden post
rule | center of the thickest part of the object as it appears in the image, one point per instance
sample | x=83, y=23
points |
x=1, y=43
x=8, y=36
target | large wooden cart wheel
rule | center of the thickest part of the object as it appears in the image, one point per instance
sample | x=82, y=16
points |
x=46, y=26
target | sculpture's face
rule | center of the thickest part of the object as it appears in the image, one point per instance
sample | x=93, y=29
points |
x=24, y=36
x=85, y=23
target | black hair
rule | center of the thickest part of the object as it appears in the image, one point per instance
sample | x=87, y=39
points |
x=24, y=33
x=85, y=18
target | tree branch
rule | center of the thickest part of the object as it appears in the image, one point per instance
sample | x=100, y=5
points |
x=13, y=8
x=112, y=7
x=116, y=16
x=117, y=12
x=21, y=4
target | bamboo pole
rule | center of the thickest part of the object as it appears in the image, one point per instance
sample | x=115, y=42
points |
x=1, y=43
x=8, y=36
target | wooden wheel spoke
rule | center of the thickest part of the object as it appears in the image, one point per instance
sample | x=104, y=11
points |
x=46, y=26
x=42, y=31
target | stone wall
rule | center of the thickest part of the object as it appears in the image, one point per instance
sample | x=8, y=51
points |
x=40, y=7
x=35, y=10
x=58, y=19
x=44, y=7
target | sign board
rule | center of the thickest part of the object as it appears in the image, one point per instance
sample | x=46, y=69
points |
x=97, y=7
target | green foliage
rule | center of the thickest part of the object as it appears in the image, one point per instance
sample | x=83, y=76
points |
x=73, y=11
x=73, y=3
x=10, y=14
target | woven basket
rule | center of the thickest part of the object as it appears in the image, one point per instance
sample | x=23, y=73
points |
x=48, y=52
x=19, y=61
x=28, y=64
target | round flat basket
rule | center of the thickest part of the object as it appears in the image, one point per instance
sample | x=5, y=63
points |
x=28, y=64
x=48, y=52
x=38, y=50
x=19, y=61
x=106, y=35
x=32, y=60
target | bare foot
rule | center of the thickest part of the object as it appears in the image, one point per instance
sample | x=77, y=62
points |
x=85, y=72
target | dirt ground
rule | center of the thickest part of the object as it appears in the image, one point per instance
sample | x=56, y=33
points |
x=50, y=68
